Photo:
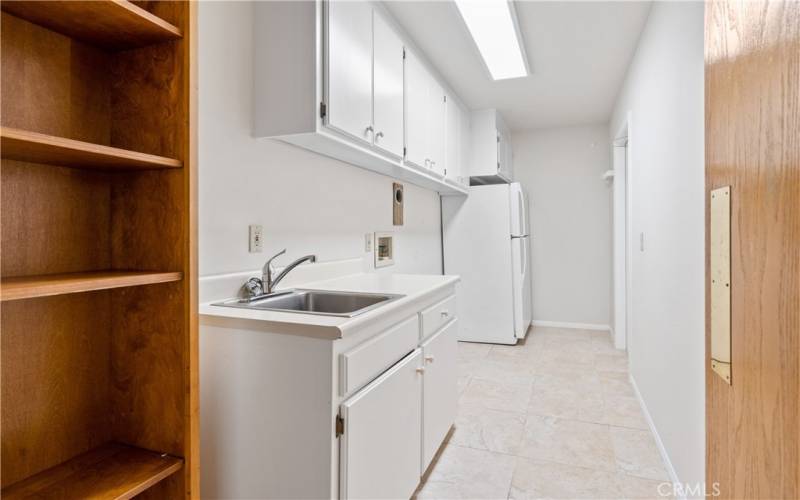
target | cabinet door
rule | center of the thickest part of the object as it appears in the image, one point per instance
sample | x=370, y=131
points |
x=349, y=68
x=436, y=125
x=388, y=87
x=440, y=393
x=380, y=447
x=452, y=139
x=465, y=132
x=416, y=123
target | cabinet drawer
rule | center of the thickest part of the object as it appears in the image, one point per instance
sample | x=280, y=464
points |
x=368, y=360
x=437, y=315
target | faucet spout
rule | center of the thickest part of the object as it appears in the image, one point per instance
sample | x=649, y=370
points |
x=271, y=282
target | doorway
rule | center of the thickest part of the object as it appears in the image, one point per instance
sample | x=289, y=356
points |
x=621, y=237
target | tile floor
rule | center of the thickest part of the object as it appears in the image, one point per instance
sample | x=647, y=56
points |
x=553, y=418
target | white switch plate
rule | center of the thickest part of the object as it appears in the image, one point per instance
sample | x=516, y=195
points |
x=256, y=239
x=368, y=242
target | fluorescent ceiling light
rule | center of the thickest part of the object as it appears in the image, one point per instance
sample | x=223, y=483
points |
x=493, y=27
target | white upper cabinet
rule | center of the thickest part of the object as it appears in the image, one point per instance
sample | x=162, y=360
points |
x=457, y=142
x=490, y=156
x=330, y=77
x=350, y=69
x=388, y=87
x=416, y=92
x=425, y=117
x=436, y=129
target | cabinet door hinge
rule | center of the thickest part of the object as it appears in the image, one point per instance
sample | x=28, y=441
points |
x=404, y=152
x=445, y=98
x=323, y=110
x=404, y=52
x=339, y=425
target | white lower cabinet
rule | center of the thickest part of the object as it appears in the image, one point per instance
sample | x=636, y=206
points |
x=380, y=447
x=439, y=395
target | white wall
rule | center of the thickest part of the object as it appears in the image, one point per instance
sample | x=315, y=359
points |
x=561, y=171
x=663, y=92
x=307, y=203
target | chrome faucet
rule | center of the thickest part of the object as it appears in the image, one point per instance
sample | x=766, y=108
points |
x=266, y=285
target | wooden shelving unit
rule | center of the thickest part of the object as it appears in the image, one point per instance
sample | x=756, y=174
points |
x=98, y=276
x=110, y=471
x=28, y=287
x=34, y=147
x=114, y=24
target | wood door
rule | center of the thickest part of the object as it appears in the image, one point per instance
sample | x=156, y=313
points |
x=439, y=389
x=388, y=87
x=752, y=74
x=416, y=96
x=380, y=447
x=349, y=68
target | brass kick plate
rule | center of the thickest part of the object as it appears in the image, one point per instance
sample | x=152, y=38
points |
x=720, y=256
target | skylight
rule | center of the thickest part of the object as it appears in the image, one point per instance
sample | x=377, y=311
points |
x=493, y=27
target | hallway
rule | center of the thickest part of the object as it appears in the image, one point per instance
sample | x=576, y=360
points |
x=556, y=417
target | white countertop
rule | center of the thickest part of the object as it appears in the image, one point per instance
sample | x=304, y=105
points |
x=414, y=287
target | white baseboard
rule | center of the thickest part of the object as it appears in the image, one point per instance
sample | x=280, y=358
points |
x=673, y=476
x=579, y=326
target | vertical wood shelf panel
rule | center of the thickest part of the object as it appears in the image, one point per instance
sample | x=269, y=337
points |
x=113, y=24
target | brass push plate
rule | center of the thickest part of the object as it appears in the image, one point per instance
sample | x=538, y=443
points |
x=720, y=257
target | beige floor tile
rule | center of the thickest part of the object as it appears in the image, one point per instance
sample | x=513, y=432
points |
x=625, y=412
x=636, y=453
x=577, y=398
x=568, y=442
x=508, y=395
x=468, y=473
x=480, y=428
x=519, y=370
x=471, y=351
x=616, y=384
x=540, y=479
x=637, y=487
x=616, y=362
x=462, y=383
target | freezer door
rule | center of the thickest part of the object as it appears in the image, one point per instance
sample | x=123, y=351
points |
x=519, y=210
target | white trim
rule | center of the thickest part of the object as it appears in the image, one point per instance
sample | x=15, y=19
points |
x=673, y=476
x=562, y=324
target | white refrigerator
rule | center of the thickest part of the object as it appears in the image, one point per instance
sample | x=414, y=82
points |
x=486, y=241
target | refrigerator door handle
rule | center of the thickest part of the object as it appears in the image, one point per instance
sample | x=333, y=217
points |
x=516, y=236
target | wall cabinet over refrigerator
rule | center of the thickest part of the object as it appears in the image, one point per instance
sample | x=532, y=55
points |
x=491, y=159
x=331, y=77
x=457, y=142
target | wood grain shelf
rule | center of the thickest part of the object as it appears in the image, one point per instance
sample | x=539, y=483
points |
x=23, y=145
x=113, y=471
x=27, y=287
x=112, y=24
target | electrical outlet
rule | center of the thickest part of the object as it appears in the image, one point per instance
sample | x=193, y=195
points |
x=368, y=242
x=256, y=239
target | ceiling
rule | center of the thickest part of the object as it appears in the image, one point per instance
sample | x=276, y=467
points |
x=578, y=53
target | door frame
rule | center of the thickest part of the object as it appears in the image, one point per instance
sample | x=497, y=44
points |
x=622, y=251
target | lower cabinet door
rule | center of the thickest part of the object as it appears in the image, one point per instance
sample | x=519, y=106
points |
x=439, y=391
x=380, y=447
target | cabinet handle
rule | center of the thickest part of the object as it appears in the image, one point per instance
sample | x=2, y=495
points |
x=378, y=135
x=421, y=369
x=429, y=359
x=368, y=130
x=445, y=314
x=427, y=163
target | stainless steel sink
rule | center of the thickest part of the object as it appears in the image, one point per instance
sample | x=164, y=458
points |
x=346, y=304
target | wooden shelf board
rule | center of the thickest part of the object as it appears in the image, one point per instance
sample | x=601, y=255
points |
x=113, y=24
x=113, y=471
x=23, y=145
x=26, y=287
